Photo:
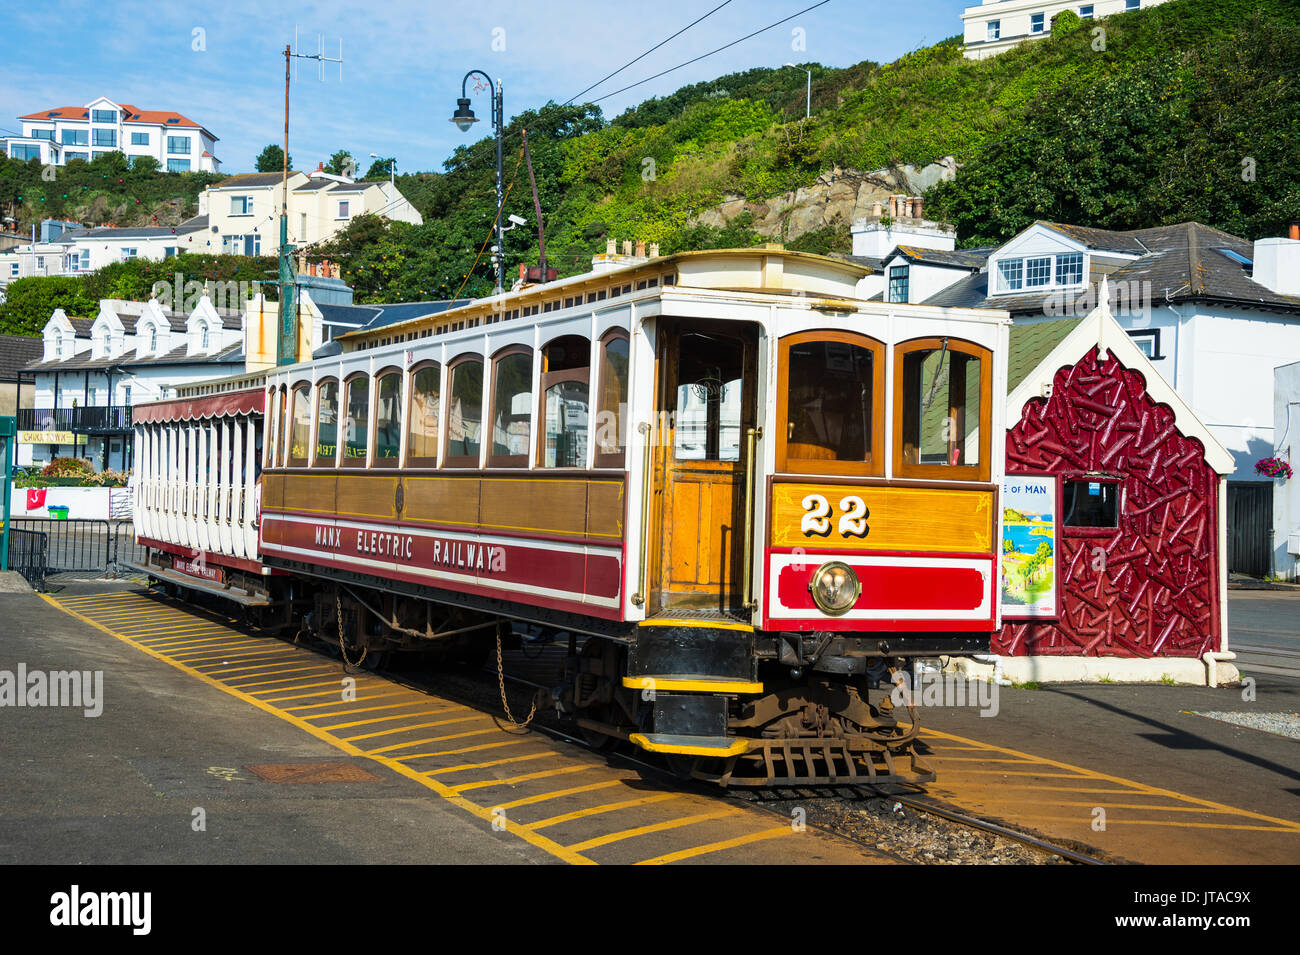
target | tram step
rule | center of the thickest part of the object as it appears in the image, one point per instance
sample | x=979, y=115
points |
x=690, y=745
x=677, y=682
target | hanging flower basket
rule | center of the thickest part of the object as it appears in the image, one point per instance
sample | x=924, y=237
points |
x=1273, y=467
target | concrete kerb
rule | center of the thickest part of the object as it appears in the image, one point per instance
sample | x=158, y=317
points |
x=1190, y=671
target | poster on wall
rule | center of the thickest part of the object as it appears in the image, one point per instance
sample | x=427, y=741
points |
x=1029, y=546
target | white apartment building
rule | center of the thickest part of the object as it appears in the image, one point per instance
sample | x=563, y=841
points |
x=995, y=26
x=56, y=136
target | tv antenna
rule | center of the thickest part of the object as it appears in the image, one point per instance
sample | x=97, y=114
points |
x=288, y=347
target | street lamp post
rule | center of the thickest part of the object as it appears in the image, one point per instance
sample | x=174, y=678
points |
x=464, y=118
x=807, y=109
x=392, y=173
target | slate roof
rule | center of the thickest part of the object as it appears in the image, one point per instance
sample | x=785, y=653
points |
x=370, y=317
x=961, y=258
x=16, y=353
x=1180, y=262
x=231, y=354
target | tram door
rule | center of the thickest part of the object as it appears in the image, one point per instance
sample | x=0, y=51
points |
x=707, y=384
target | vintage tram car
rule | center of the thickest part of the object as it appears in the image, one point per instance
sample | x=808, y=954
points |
x=746, y=490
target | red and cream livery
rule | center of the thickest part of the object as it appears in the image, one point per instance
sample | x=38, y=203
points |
x=750, y=488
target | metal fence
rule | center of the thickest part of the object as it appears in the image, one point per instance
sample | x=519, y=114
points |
x=81, y=546
x=27, y=555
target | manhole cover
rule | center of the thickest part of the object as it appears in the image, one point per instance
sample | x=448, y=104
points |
x=312, y=773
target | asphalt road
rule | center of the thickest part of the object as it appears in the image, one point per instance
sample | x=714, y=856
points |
x=1264, y=631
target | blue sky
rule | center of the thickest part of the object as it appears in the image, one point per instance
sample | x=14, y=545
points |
x=403, y=61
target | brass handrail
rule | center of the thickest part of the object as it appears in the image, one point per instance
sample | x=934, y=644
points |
x=747, y=558
x=638, y=598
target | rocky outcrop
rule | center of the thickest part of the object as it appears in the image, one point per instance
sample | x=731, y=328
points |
x=836, y=198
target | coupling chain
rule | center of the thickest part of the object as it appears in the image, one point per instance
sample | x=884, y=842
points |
x=501, y=684
x=338, y=607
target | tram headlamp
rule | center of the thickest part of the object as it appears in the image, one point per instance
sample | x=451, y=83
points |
x=835, y=588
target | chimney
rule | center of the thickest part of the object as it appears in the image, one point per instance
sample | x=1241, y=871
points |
x=654, y=250
x=627, y=246
x=611, y=247
x=640, y=248
x=523, y=271
x=1294, y=233
x=916, y=208
x=1277, y=264
x=876, y=210
x=336, y=270
x=302, y=262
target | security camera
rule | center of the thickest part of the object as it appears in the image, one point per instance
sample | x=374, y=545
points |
x=517, y=220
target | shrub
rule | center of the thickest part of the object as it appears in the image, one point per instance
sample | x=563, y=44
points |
x=67, y=467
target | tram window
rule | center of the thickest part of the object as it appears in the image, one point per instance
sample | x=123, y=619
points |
x=512, y=408
x=388, y=418
x=832, y=415
x=300, y=427
x=327, y=423
x=422, y=440
x=465, y=414
x=356, y=421
x=272, y=407
x=281, y=423
x=942, y=407
x=710, y=382
x=611, y=419
x=566, y=373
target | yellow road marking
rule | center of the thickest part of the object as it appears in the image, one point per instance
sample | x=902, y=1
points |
x=207, y=642
x=718, y=846
x=561, y=793
x=399, y=691
x=258, y=669
x=653, y=827
x=1134, y=786
x=482, y=813
x=378, y=719
x=299, y=686
x=416, y=726
x=463, y=749
x=289, y=679
x=234, y=653
x=525, y=758
x=607, y=807
x=354, y=711
x=522, y=779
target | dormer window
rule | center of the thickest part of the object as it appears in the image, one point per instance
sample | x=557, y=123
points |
x=58, y=345
x=153, y=339
x=203, y=336
x=1064, y=270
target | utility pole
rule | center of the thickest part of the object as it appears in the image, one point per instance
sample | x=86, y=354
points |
x=287, y=353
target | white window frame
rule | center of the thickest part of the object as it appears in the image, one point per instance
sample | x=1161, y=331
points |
x=244, y=202
x=994, y=30
x=1085, y=11
x=343, y=209
x=1037, y=23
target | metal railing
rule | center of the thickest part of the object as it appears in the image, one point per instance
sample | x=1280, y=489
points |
x=89, y=419
x=27, y=555
x=79, y=546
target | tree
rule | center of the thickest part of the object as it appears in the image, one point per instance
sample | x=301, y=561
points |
x=379, y=169
x=30, y=302
x=341, y=164
x=271, y=159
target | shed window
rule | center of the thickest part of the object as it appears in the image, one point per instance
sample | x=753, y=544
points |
x=1089, y=502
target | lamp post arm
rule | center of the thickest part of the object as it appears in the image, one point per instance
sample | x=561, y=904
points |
x=466, y=80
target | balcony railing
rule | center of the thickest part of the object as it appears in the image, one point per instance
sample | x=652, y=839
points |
x=91, y=420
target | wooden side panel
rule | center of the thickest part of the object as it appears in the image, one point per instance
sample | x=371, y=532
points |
x=367, y=496
x=701, y=536
x=305, y=492
x=936, y=520
x=450, y=501
x=534, y=506
x=605, y=508
x=272, y=491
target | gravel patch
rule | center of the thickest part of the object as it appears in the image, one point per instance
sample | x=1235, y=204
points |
x=1282, y=724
